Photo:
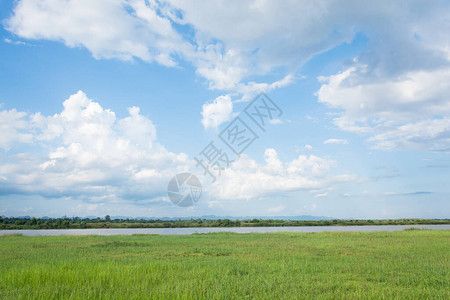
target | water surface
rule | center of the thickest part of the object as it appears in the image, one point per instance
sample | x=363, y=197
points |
x=186, y=231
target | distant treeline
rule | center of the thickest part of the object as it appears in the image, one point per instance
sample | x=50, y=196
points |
x=107, y=222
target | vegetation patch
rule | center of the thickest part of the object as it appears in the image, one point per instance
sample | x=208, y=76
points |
x=351, y=265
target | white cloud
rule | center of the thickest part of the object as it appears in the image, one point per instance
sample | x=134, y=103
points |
x=429, y=134
x=409, y=112
x=9, y=41
x=269, y=36
x=398, y=82
x=417, y=94
x=321, y=195
x=87, y=152
x=252, y=89
x=247, y=179
x=335, y=141
x=128, y=29
x=109, y=29
x=397, y=90
x=217, y=112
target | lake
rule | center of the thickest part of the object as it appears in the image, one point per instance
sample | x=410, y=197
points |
x=187, y=231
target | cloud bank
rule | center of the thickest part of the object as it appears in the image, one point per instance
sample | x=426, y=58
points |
x=246, y=179
x=86, y=153
x=395, y=91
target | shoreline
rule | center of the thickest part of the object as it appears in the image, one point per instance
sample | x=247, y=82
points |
x=197, y=230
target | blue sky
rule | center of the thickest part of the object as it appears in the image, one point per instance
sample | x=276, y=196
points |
x=102, y=104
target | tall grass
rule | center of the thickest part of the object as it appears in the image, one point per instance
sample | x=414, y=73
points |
x=358, y=265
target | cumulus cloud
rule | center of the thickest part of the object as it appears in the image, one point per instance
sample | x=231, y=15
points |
x=247, y=179
x=406, y=112
x=217, y=111
x=85, y=151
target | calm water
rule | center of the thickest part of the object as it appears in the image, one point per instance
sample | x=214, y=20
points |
x=184, y=231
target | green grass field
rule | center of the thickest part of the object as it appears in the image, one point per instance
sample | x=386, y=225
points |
x=406, y=264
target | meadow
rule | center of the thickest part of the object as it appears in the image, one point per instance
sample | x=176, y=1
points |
x=412, y=264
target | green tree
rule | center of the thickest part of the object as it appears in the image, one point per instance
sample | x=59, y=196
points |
x=32, y=222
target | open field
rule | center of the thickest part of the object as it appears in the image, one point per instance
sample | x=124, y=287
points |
x=405, y=264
